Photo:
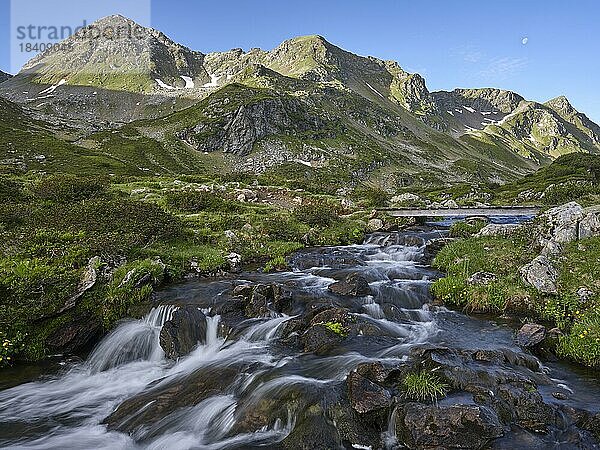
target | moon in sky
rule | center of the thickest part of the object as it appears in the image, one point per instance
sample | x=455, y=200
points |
x=525, y=40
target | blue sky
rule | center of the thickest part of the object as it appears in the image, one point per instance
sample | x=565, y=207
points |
x=451, y=43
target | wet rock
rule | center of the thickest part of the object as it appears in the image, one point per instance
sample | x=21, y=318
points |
x=375, y=371
x=313, y=431
x=336, y=259
x=156, y=403
x=433, y=247
x=375, y=225
x=320, y=339
x=560, y=396
x=530, y=335
x=524, y=405
x=180, y=335
x=482, y=278
x=456, y=426
x=264, y=300
x=354, y=430
x=501, y=230
x=354, y=285
x=366, y=396
x=242, y=290
x=541, y=274
x=328, y=329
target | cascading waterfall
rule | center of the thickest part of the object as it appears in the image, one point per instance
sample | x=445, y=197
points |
x=251, y=369
x=136, y=340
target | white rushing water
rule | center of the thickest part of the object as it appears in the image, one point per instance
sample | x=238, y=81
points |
x=67, y=411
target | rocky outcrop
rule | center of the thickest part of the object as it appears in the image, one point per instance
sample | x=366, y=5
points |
x=180, y=335
x=4, y=76
x=88, y=280
x=589, y=225
x=237, y=131
x=554, y=229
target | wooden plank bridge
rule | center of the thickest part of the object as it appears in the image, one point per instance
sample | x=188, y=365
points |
x=492, y=211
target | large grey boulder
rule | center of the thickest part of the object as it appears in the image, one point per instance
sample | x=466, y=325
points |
x=541, y=274
x=559, y=226
x=501, y=230
x=589, y=226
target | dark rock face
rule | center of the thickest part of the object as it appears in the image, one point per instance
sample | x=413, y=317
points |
x=353, y=286
x=263, y=300
x=76, y=335
x=180, y=335
x=525, y=406
x=530, y=335
x=366, y=396
x=239, y=130
x=433, y=246
x=456, y=426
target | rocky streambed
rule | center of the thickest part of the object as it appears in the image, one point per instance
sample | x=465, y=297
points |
x=314, y=358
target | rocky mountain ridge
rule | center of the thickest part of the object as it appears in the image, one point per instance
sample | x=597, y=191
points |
x=4, y=76
x=306, y=102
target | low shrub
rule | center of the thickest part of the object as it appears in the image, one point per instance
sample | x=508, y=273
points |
x=318, y=213
x=70, y=188
x=194, y=202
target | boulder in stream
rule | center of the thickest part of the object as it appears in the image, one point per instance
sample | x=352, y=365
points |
x=366, y=396
x=354, y=285
x=180, y=335
x=456, y=426
x=530, y=335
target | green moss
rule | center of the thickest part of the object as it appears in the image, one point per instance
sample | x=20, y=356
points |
x=337, y=328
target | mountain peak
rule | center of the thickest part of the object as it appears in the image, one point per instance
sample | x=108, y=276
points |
x=561, y=104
